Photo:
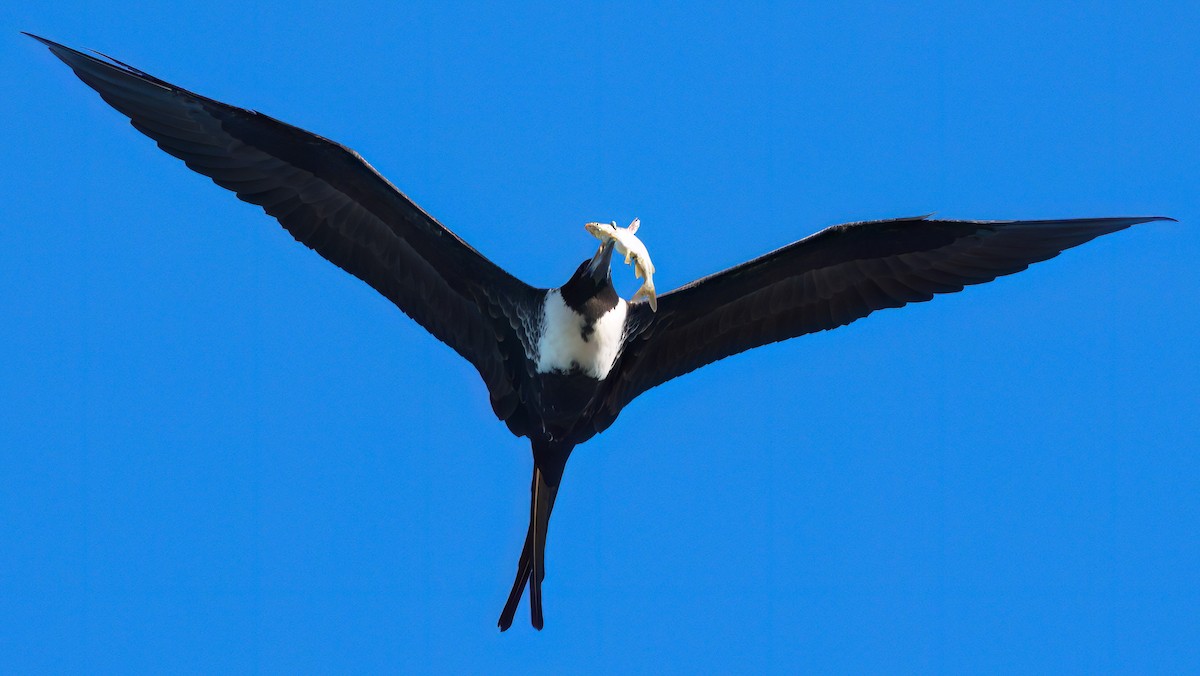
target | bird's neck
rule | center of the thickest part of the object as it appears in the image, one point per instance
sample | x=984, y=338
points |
x=589, y=298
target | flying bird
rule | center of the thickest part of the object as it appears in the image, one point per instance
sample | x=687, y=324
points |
x=561, y=364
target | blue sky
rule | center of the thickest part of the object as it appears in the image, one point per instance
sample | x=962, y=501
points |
x=222, y=453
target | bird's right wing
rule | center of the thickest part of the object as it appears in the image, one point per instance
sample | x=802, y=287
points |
x=830, y=279
x=332, y=201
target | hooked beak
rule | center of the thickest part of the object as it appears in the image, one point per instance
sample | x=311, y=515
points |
x=597, y=268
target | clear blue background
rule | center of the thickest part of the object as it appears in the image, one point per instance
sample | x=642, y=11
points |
x=219, y=452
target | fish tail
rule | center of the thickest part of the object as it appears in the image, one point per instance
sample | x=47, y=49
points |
x=647, y=291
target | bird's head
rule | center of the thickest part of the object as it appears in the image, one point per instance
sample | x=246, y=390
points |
x=597, y=268
x=592, y=280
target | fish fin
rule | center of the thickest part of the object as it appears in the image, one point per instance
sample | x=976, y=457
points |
x=637, y=222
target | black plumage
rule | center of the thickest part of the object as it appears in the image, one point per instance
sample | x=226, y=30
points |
x=332, y=201
x=827, y=280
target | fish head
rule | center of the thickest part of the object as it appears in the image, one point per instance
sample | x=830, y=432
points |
x=602, y=231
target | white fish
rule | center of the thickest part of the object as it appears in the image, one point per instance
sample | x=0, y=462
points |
x=628, y=245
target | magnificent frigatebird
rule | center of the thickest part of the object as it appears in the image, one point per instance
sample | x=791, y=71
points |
x=560, y=364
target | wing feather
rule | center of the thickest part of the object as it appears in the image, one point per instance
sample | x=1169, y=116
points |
x=332, y=201
x=830, y=279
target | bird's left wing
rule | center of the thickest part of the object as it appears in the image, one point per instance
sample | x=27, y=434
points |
x=332, y=201
x=830, y=279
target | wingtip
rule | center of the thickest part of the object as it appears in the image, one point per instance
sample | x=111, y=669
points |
x=1138, y=220
x=45, y=41
x=58, y=49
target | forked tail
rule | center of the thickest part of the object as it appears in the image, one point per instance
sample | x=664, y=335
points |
x=548, y=463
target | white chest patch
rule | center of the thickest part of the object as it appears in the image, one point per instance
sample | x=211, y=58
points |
x=562, y=346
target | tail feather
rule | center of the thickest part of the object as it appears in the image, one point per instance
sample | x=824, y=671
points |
x=514, y=596
x=531, y=569
x=542, y=504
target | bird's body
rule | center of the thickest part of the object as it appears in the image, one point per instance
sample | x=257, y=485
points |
x=561, y=364
x=585, y=339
